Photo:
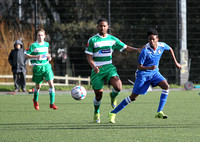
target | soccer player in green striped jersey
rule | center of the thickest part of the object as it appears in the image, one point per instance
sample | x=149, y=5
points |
x=99, y=55
x=39, y=56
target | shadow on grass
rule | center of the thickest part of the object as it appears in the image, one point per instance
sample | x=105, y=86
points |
x=5, y=90
x=65, y=126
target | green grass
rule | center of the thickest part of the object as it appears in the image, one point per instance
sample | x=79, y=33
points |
x=73, y=121
x=10, y=88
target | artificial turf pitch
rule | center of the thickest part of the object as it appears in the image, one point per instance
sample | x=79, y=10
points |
x=73, y=121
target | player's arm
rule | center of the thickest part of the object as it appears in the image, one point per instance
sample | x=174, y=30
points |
x=33, y=56
x=123, y=47
x=142, y=68
x=91, y=62
x=141, y=60
x=29, y=51
x=178, y=66
x=132, y=49
x=49, y=57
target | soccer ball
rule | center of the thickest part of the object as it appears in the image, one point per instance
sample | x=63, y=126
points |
x=78, y=93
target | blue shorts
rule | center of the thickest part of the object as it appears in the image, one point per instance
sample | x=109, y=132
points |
x=142, y=82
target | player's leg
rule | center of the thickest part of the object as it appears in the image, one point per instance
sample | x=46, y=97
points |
x=162, y=83
x=140, y=87
x=163, y=99
x=125, y=102
x=38, y=79
x=122, y=105
x=97, y=81
x=97, y=103
x=37, y=91
x=117, y=87
x=165, y=91
x=113, y=79
x=52, y=95
x=49, y=76
x=36, y=95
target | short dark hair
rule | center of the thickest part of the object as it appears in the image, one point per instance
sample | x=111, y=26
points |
x=102, y=20
x=152, y=31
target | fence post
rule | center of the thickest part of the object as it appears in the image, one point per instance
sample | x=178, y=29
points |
x=79, y=80
x=88, y=80
x=36, y=16
x=66, y=80
x=184, y=73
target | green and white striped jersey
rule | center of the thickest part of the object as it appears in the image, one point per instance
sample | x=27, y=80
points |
x=101, y=48
x=37, y=49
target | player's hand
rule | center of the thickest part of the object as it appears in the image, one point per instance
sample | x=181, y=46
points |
x=153, y=67
x=49, y=57
x=39, y=57
x=178, y=66
x=139, y=50
x=96, y=70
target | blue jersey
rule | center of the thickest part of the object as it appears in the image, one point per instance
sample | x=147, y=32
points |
x=149, y=57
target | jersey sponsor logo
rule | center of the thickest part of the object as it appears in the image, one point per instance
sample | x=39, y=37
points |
x=44, y=56
x=103, y=51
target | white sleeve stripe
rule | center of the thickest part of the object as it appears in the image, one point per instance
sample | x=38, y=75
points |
x=87, y=52
x=123, y=48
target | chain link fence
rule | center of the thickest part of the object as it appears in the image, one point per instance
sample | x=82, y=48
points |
x=70, y=23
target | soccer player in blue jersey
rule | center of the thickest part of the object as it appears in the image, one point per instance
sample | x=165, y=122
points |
x=148, y=74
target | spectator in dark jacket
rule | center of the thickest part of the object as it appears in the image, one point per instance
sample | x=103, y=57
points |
x=18, y=62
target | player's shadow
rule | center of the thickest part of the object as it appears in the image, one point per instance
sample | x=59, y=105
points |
x=65, y=126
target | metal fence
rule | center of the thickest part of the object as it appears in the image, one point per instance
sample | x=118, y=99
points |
x=70, y=23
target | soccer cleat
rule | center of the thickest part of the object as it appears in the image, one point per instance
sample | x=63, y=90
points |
x=161, y=115
x=53, y=106
x=96, y=117
x=17, y=90
x=36, y=105
x=111, y=117
x=113, y=101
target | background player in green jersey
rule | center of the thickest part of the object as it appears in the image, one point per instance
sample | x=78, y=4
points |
x=39, y=56
x=99, y=55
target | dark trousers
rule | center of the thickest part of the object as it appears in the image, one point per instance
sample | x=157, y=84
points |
x=19, y=80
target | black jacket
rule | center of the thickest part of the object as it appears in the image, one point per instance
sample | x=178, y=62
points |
x=17, y=59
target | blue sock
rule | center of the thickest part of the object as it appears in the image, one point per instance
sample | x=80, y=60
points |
x=122, y=105
x=163, y=99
